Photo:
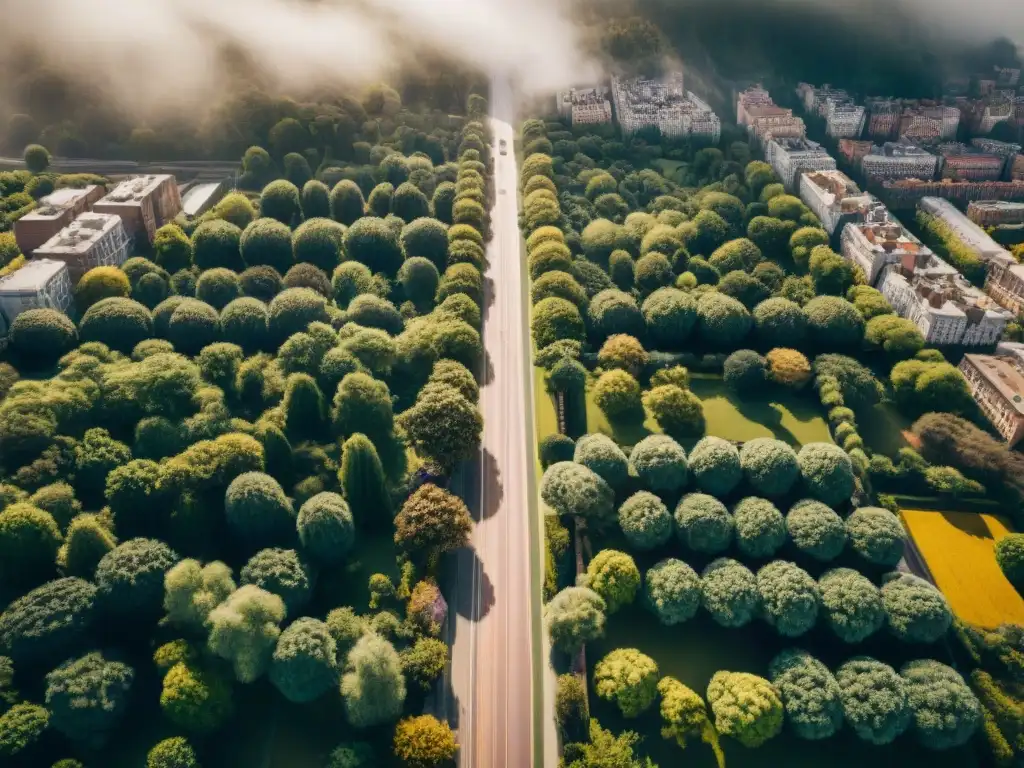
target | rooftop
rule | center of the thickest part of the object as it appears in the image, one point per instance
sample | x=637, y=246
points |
x=899, y=149
x=79, y=236
x=55, y=203
x=134, y=191
x=1001, y=372
x=194, y=199
x=793, y=144
x=33, y=276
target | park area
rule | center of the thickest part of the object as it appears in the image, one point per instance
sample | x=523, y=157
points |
x=958, y=548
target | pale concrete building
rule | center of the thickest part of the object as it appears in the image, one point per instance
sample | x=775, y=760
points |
x=585, y=106
x=40, y=284
x=969, y=233
x=878, y=240
x=642, y=103
x=92, y=240
x=899, y=160
x=144, y=203
x=834, y=198
x=997, y=386
x=941, y=303
x=844, y=120
x=52, y=214
x=756, y=111
x=792, y=157
x=1004, y=282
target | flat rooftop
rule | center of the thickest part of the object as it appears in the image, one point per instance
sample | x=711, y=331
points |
x=55, y=203
x=194, y=199
x=32, y=277
x=79, y=236
x=134, y=191
x=1001, y=373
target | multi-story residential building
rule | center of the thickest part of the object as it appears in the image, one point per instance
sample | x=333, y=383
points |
x=1018, y=109
x=1007, y=77
x=854, y=151
x=1017, y=169
x=833, y=197
x=996, y=383
x=920, y=130
x=1005, y=283
x=962, y=162
x=756, y=111
x=54, y=212
x=585, y=106
x=984, y=114
x=899, y=160
x=992, y=213
x=878, y=240
x=144, y=203
x=1007, y=150
x=40, y=284
x=844, y=121
x=92, y=240
x=883, y=118
x=792, y=157
x=907, y=193
x=969, y=233
x=642, y=103
x=941, y=303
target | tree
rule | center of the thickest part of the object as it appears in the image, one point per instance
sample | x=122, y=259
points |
x=831, y=273
x=21, y=727
x=769, y=466
x=432, y=521
x=443, y=426
x=604, y=750
x=670, y=316
x=703, y=523
x=816, y=530
x=37, y=158
x=196, y=698
x=921, y=387
x=101, y=283
x=372, y=242
x=614, y=312
x=614, y=576
x=622, y=351
x=1010, y=557
x=660, y=463
x=29, y=541
x=362, y=479
x=88, y=696
x=59, y=500
x=827, y=472
x=235, y=207
x=628, y=678
x=715, y=466
x=571, y=489
x=804, y=241
x=672, y=590
x=315, y=200
x=281, y=572
x=244, y=630
x=193, y=325
x=729, y=592
x=851, y=603
x=575, y=616
x=50, y=622
x=760, y=527
x=257, y=509
x=685, y=716
x=916, y=612
x=877, y=535
x=722, y=321
x=373, y=686
x=362, y=405
x=571, y=709
x=174, y=752
x=833, y=322
x=744, y=371
x=678, y=411
x=779, y=321
x=130, y=578
x=325, y=528
x=897, y=336
x=809, y=693
x=216, y=243
x=771, y=236
x=857, y=385
x=600, y=453
x=788, y=368
x=790, y=598
x=424, y=742
x=40, y=336
x=303, y=666
x=874, y=699
x=945, y=713
x=192, y=590
x=746, y=707
x=745, y=288
x=645, y=521
x=617, y=394
x=739, y=254
x=425, y=661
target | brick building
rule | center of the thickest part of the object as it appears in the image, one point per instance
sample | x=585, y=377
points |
x=756, y=111
x=92, y=240
x=144, y=203
x=992, y=213
x=792, y=157
x=833, y=197
x=965, y=163
x=898, y=160
x=996, y=383
x=1006, y=150
x=883, y=120
x=54, y=212
x=854, y=151
x=877, y=240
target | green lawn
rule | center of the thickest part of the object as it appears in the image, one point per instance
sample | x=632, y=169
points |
x=882, y=428
x=793, y=418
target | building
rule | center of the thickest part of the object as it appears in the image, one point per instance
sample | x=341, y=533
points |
x=40, y=284
x=1017, y=169
x=1004, y=282
x=199, y=198
x=144, y=203
x=883, y=118
x=969, y=233
x=585, y=106
x=833, y=197
x=54, y=212
x=1006, y=77
x=898, y=160
x=929, y=116
x=992, y=213
x=92, y=240
x=758, y=113
x=854, y=151
x=962, y=162
x=941, y=303
x=1007, y=150
x=985, y=114
x=997, y=386
x=921, y=130
x=844, y=121
x=878, y=240
x=792, y=157
x=643, y=103
x=907, y=193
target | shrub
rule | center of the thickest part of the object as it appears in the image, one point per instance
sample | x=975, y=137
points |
x=779, y=321
x=599, y=453
x=216, y=243
x=303, y=666
x=349, y=280
x=21, y=727
x=789, y=598
x=555, y=448
x=443, y=427
x=555, y=319
x=192, y=590
x=130, y=578
x=87, y=696
x=572, y=489
x=317, y=241
x=89, y=538
x=617, y=394
x=788, y=368
x=760, y=527
x=235, y=208
x=746, y=707
x=308, y=276
x=1009, y=555
x=670, y=316
x=280, y=200
x=29, y=540
x=59, y=500
x=645, y=521
x=355, y=755
x=280, y=572
x=193, y=325
x=174, y=752
x=722, y=322
x=346, y=202
x=739, y=254
x=945, y=713
x=878, y=536
x=614, y=576
x=916, y=612
x=816, y=530
x=833, y=322
x=851, y=603
x=622, y=351
x=678, y=411
x=196, y=698
x=874, y=699
x=293, y=310
x=101, y=283
x=217, y=287
x=614, y=312
x=372, y=242
x=571, y=710
x=703, y=523
x=744, y=372
x=118, y=323
x=424, y=742
x=769, y=466
x=660, y=463
x=729, y=592
x=373, y=686
x=245, y=627
x=809, y=692
x=325, y=528
x=672, y=590
x=574, y=617
x=629, y=679
x=49, y=622
x=432, y=521
x=715, y=466
x=827, y=472
x=42, y=335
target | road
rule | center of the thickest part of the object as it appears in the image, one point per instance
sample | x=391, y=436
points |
x=496, y=613
x=126, y=167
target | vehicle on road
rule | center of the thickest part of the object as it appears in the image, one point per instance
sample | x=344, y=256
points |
x=503, y=146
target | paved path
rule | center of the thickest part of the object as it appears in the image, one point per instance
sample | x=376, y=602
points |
x=491, y=681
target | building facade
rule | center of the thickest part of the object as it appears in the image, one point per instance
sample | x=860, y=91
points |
x=54, y=212
x=941, y=303
x=92, y=240
x=792, y=157
x=969, y=233
x=1004, y=282
x=756, y=111
x=642, y=103
x=144, y=203
x=585, y=106
x=1004, y=149
x=854, y=151
x=992, y=213
x=844, y=121
x=833, y=197
x=997, y=386
x=877, y=241
x=907, y=193
x=40, y=284
x=969, y=163
x=883, y=119
x=899, y=160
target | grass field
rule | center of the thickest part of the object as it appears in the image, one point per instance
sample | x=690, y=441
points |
x=669, y=168
x=794, y=419
x=958, y=547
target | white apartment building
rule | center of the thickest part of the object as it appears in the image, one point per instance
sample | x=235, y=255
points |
x=878, y=240
x=585, y=106
x=996, y=383
x=642, y=103
x=40, y=284
x=1004, y=282
x=756, y=111
x=941, y=303
x=969, y=233
x=834, y=198
x=844, y=121
x=792, y=157
x=899, y=160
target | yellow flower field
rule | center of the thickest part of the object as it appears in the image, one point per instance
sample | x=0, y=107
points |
x=958, y=547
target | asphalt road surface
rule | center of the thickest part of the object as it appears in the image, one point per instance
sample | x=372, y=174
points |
x=491, y=688
x=127, y=167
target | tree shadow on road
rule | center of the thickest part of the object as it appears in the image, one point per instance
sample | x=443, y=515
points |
x=465, y=604
x=488, y=297
x=493, y=490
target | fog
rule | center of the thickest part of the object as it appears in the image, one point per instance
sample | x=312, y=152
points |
x=164, y=54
